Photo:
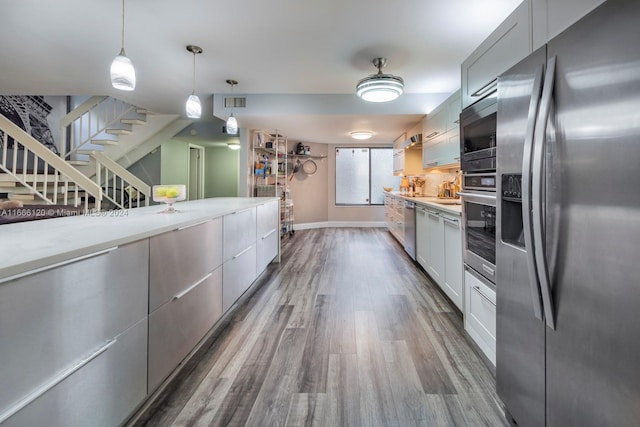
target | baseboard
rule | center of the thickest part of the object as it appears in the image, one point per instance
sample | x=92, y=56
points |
x=338, y=224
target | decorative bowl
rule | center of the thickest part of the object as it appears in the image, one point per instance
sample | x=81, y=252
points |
x=169, y=194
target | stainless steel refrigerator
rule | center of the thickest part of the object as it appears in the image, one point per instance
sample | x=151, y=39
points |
x=568, y=235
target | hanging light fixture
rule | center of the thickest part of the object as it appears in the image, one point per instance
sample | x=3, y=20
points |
x=123, y=75
x=232, y=123
x=194, y=108
x=380, y=87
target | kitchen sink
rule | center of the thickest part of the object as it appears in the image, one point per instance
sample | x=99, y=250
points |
x=448, y=202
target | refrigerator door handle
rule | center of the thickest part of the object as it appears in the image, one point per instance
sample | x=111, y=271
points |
x=526, y=194
x=537, y=193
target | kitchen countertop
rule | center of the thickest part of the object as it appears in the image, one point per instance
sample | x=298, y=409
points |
x=32, y=245
x=432, y=202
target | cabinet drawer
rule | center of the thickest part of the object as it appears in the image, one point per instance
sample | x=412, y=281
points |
x=176, y=327
x=267, y=218
x=103, y=392
x=50, y=319
x=480, y=314
x=239, y=230
x=237, y=275
x=182, y=257
x=267, y=250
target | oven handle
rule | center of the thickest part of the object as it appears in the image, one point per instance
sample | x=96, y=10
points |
x=526, y=195
x=487, y=199
x=537, y=192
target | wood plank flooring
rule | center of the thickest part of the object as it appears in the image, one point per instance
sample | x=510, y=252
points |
x=346, y=331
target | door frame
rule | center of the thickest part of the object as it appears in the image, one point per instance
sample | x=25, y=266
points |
x=201, y=164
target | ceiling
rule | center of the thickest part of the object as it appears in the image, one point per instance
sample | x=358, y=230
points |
x=279, y=47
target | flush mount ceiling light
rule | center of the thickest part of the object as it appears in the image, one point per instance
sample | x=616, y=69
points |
x=363, y=134
x=194, y=108
x=233, y=146
x=123, y=75
x=232, y=123
x=380, y=87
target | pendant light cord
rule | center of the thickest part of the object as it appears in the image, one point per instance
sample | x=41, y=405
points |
x=193, y=91
x=122, y=24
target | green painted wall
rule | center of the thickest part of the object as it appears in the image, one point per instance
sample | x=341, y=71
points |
x=174, y=162
x=221, y=171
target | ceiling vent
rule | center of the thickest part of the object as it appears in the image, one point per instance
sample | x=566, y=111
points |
x=235, y=102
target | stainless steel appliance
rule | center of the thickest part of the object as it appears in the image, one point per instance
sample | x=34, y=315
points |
x=478, y=200
x=568, y=287
x=478, y=136
x=410, y=228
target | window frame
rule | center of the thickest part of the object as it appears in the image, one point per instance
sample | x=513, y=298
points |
x=335, y=191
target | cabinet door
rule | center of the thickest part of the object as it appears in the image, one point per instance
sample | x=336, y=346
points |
x=435, y=236
x=239, y=231
x=508, y=44
x=267, y=234
x=480, y=314
x=550, y=18
x=432, y=151
x=102, y=392
x=422, y=243
x=237, y=275
x=180, y=258
x=454, y=107
x=453, y=261
x=398, y=161
x=176, y=327
x=450, y=152
x=51, y=319
x=436, y=122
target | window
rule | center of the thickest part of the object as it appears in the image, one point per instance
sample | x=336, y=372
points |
x=361, y=175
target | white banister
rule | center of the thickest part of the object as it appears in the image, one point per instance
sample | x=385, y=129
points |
x=29, y=145
x=121, y=179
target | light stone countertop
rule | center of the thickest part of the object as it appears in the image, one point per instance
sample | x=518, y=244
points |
x=33, y=245
x=431, y=202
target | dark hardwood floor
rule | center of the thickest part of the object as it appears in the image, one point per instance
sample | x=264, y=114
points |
x=346, y=331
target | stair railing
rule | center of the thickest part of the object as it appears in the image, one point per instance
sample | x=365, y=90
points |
x=120, y=187
x=88, y=120
x=52, y=185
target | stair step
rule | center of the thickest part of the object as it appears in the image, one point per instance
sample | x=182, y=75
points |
x=23, y=197
x=79, y=162
x=134, y=121
x=142, y=111
x=86, y=152
x=104, y=141
x=7, y=184
x=119, y=131
x=19, y=190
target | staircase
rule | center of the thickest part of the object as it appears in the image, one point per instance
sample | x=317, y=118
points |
x=98, y=133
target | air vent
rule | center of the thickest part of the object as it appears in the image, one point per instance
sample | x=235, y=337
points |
x=235, y=102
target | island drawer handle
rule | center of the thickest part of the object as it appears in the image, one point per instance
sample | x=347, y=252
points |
x=269, y=234
x=42, y=389
x=186, y=291
x=58, y=264
x=240, y=254
x=193, y=225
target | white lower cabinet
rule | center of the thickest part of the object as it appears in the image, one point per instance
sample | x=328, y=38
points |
x=69, y=349
x=453, y=283
x=267, y=237
x=439, y=250
x=480, y=314
x=101, y=392
x=435, y=241
x=237, y=275
x=177, y=326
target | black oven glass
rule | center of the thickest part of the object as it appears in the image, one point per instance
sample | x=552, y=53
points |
x=480, y=135
x=480, y=223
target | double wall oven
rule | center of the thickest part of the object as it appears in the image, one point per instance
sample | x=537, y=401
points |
x=478, y=196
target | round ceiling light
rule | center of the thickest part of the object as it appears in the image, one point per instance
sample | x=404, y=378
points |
x=380, y=87
x=363, y=134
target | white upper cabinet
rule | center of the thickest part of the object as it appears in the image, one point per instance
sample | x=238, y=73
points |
x=550, y=18
x=507, y=44
x=443, y=146
x=435, y=123
x=454, y=107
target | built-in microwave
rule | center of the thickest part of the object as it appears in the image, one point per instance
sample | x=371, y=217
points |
x=478, y=136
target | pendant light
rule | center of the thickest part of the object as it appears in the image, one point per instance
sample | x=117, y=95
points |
x=380, y=87
x=194, y=108
x=123, y=75
x=232, y=123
